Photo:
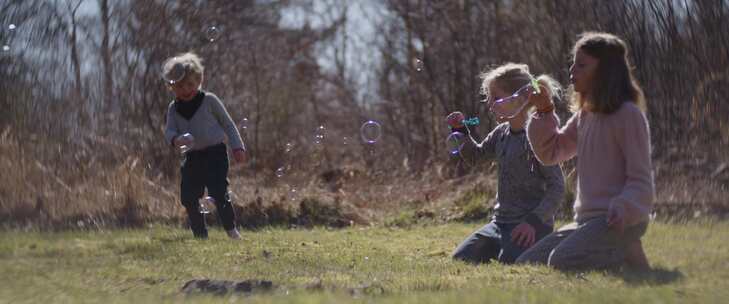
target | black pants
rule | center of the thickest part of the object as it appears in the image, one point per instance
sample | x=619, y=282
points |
x=207, y=168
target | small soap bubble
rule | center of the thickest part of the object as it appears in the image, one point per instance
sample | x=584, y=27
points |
x=319, y=135
x=187, y=142
x=175, y=73
x=6, y=48
x=418, y=64
x=455, y=143
x=293, y=194
x=244, y=123
x=11, y=27
x=212, y=33
x=371, y=131
x=280, y=172
x=204, y=203
x=289, y=147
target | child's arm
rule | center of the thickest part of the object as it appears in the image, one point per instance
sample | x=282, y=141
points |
x=633, y=137
x=552, y=196
x=456, y=122
x=487, y=146
x=171, y=130
x=236, y=142
x=550, y=144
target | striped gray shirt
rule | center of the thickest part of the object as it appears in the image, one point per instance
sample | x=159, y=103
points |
x=527, y=189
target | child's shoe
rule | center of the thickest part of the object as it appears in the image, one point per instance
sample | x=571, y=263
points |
x=233, y=234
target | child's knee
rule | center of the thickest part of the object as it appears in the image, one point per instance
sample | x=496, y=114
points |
x=530, y=256
x=564, y=260
x=462, y=254
x=509, y=255
x=469, y=254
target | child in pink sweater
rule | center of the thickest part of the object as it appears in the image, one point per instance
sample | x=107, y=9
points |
x=610, y=136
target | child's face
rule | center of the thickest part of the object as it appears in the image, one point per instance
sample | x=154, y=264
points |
x=186, y=89
x=582, y=72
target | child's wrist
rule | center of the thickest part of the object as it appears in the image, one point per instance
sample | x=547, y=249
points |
x=533, y=220
x=461, y=129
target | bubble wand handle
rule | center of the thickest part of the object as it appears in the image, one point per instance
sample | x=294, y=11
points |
x=474, y=121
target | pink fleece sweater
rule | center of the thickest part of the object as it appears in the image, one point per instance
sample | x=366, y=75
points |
x=613, y=159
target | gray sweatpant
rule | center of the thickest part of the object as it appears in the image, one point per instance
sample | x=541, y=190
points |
x=583, y=246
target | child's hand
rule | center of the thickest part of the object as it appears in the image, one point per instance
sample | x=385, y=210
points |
x=455, y=119
x=523, y=235
x=541, y=100
x=616, y=217
x=239, y=155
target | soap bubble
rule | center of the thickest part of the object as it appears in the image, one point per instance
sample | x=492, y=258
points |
x=188, y=141
x=455, y=143
x=510, y=106
x=293, y=193
x=418, y=65
x=371, y=131
x=205, y=202
x=319, y=135
x=280, y=172
x=212, y=33
x=175, y=73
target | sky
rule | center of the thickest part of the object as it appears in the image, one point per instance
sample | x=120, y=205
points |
x=362, y=18
x=361, y=34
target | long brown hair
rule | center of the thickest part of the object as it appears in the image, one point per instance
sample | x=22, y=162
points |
x=613, y=82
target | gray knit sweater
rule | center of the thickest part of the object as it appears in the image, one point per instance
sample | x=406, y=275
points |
x=528, y=191
x=209, y=126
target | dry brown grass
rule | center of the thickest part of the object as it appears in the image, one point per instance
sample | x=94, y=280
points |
x=75, y=186
x=71, y=188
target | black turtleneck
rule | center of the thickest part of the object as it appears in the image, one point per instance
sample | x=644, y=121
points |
x=188, y=108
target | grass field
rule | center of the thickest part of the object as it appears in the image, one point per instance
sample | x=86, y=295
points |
x=373, y=264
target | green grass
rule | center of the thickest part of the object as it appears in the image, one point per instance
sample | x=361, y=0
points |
x=387, y=265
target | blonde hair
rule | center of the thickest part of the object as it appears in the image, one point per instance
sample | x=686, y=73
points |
x=614, y=82
x=181, y=67
x=510, y=77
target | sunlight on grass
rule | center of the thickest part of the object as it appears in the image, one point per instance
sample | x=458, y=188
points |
x=391, y=264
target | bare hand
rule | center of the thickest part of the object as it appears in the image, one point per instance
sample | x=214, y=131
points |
x=455, y=119
x=523, y=235
x=543, y=99
x=616, y=217
x=239, y=156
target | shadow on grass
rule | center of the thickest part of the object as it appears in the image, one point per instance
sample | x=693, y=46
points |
x=655, y=276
